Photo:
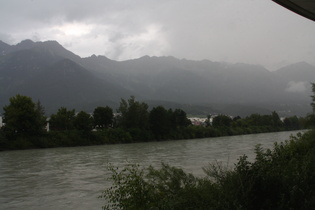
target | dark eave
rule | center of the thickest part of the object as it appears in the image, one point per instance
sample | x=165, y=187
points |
x=306, y=8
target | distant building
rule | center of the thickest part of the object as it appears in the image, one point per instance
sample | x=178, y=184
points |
x=1, y=123
x=197, y=121
x=47, y=124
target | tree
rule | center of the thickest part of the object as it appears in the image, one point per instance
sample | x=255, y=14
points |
x=159, y=121
x=313, y=97
x=23, y=116
x=134, y=114
x=179, y=119
x=291, y=123
x=310, y=119
x=255, y=120
x=276, y=119
x=103, y=117
x=83, y=121
x=62, y=120
x=39, y=108
x=207, y=122
x=221, y=120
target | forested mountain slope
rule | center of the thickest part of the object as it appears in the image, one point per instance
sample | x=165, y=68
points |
x=48, y=72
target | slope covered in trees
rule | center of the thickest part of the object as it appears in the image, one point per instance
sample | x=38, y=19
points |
x=48, y=72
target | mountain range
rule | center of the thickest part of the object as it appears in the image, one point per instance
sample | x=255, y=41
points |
x=48, y=72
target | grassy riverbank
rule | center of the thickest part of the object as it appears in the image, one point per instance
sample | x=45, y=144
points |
x=74, y=138
x=279, y=178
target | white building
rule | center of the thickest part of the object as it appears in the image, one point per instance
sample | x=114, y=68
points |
x=200, y=121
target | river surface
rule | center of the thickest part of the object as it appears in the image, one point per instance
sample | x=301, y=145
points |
x=73, y=178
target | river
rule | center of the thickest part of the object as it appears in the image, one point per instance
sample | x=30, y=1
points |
x=73, y=178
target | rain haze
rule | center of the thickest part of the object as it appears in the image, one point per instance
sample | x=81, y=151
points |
x=237, y=31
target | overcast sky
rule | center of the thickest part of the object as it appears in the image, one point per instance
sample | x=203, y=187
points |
x=247, y=31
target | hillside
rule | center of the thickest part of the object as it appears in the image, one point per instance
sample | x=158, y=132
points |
x=48, y=72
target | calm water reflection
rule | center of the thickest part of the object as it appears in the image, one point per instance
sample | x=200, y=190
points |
x=73, y=178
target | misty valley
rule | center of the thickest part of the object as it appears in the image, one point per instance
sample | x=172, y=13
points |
x=47, y=72
x=157, y=105
x=54, y=99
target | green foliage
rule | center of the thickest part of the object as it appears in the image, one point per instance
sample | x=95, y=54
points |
x=165, y=188
x=260, y=120
x=103, y=117
x=160, y=122
x=280, y=178
x=221, y=120
x=3, y=141
x=313, y=97
x=83, y=121
x=118, y=135
x=276, y=122
x=136, y=124
x=40, y=112
x=23, y=117
x=291, y=123
x=179, y=119
x=62, y=120
x=207, y=122
x=134, y=114
x=130, y=190
x=310, y=120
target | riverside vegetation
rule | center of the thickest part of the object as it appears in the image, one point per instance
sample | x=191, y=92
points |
x=279, y=178
x=25, y=122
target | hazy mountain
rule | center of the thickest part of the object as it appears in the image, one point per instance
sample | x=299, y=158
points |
x=51, y=51
x=45, y=72
x=57, y=77
x=68, y=84
x=301, y=71
x=3, y=47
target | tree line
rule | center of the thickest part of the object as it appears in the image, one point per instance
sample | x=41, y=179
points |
x=26, y=125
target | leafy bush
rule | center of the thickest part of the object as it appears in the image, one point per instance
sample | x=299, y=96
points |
x=118, y=135
x=281, y=178
x=166, y=188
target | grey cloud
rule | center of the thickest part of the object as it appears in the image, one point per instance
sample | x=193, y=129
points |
x=249, y=31
x=116, y=37
x=6, y=38
x=296, y=87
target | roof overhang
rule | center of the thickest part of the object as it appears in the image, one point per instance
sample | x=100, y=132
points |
x=306, y=8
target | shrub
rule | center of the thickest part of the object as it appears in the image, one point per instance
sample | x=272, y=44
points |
x=150, y=188
x=281, y=178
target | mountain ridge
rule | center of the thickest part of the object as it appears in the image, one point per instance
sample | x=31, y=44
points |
x=148, y=78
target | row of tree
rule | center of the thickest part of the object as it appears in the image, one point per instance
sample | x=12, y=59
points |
x=131, y=114
x=272, y=121
x=25, y=119
x=133, y=122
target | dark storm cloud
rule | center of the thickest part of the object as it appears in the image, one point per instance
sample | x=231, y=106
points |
x=250, y=31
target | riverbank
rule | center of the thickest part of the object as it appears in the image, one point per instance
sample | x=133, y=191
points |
x=73, y=138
